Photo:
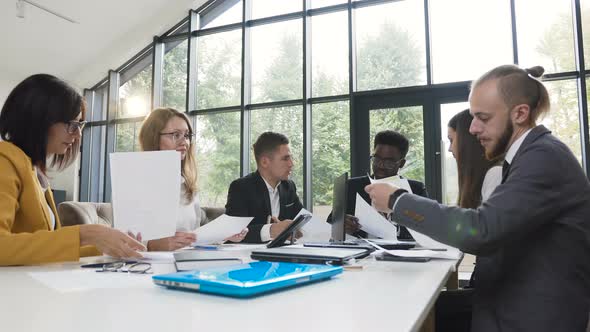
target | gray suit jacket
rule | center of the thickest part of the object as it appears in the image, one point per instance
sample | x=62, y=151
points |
x=534, y=233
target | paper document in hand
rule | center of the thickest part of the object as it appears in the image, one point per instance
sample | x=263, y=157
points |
x=315, y=230
x=421, y=239
x=396, y=181
x=145, y=192
x=372, y=221
x=221, y=228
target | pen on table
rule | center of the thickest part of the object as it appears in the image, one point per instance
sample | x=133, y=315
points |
x=206, y=247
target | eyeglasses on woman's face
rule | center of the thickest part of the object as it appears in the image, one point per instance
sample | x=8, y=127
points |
x=73, y=126
x=178, y=136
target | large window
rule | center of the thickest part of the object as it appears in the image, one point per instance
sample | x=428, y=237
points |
x=277, y=62
x=390, y=45
x=218, y=155
x=465, y=46
x=174, y=75
x=219, y=70
x=242, y=67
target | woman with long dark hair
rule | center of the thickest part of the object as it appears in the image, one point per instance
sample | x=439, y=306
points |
x=43, y=118
x=478, y=176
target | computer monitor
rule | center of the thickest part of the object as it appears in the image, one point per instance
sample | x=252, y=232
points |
x=339, y=207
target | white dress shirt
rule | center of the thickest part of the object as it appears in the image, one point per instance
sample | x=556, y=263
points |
x=275, y=208
x=492, y=179
x=515, y=146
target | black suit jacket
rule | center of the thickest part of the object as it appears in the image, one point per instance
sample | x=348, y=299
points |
x=358, y=184
x=248, y=197
x=534, y=233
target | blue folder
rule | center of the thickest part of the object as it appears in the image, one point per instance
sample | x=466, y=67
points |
x=245, y=280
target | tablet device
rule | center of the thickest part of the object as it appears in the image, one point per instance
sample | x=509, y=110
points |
x=337, y=256
x=393, y=258
x=245, y=280
x=289, y=231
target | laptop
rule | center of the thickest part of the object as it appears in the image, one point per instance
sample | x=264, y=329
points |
x=297, y=254
x=339, y=194
x=339, y=200
x=246, y=280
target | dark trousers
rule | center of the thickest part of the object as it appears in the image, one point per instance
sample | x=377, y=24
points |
x=453, y=311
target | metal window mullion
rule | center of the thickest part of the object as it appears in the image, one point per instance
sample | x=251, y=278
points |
x=355, y=158
x=86, y=156
x=112, y=111
x=157, y=73
x=307, y=111
x=427, y=41
x=583, y=97
x=514, y=32
x=246, y=91
x=191, y=93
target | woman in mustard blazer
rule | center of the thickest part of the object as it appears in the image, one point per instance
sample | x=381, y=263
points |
x=42, y=118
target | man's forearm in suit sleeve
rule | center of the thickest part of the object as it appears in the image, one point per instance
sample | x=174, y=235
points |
x=446, y=224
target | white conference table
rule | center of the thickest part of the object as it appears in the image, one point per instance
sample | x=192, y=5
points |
x=382, y=296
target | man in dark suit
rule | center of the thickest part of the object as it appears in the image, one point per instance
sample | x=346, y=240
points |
x=267, y=194
x=389, y=156
x=534, y=230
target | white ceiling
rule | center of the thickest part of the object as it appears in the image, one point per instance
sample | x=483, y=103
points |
x=109, y=33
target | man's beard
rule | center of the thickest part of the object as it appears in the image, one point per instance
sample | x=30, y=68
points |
x=500, y=148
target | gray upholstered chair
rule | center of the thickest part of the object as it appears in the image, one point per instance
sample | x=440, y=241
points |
x=79, y=213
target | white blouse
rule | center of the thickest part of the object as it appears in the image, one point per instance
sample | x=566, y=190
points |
x=190, y=216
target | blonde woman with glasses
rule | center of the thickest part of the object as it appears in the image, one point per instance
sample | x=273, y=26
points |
x=169, y=129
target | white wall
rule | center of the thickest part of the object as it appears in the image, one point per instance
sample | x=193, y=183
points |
x=66, y=180
x=6, y=86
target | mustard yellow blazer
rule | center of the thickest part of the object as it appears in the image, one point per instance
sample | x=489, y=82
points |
x=25, y=226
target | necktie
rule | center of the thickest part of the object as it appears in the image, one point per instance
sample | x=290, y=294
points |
x=505, y=170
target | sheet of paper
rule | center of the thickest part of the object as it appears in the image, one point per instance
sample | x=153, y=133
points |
x=421, y=239
x=221, y=228
x=316, y=230
x=372, y=221
x=88, y=279
x=146, y=192
x=396, y=181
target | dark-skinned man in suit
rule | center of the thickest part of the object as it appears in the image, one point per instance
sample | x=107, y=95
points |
x=389, y=156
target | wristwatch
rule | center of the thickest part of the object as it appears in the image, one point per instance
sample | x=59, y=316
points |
x=393, y=197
